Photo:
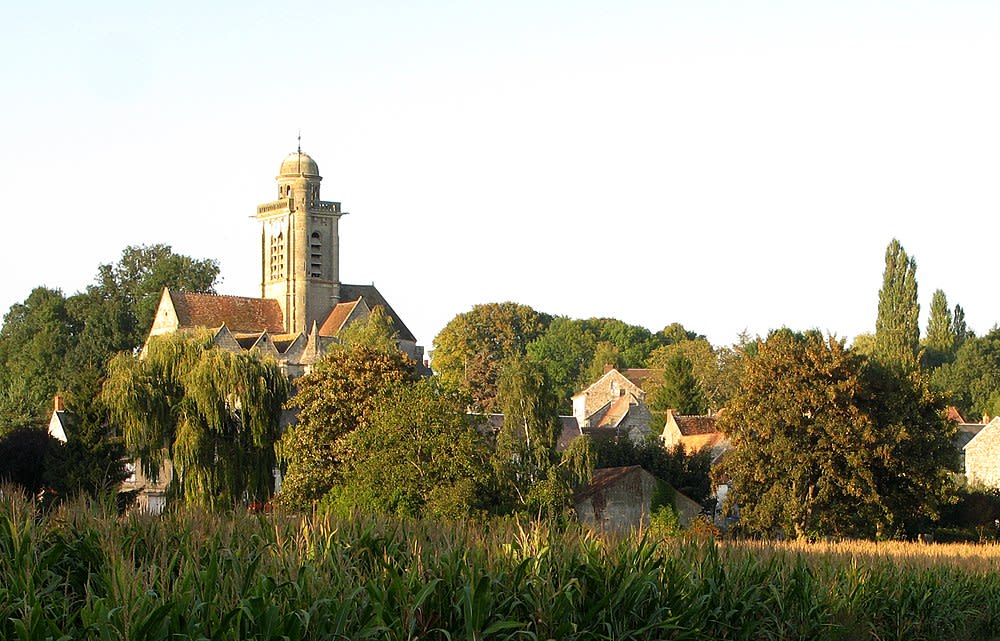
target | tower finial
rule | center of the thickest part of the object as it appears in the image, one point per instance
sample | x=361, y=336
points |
x=300, y=141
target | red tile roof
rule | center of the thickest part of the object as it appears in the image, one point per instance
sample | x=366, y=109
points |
x=695, y=425
x=238, y=313
x=639, y=376
x=338, y=316
x=618, y=410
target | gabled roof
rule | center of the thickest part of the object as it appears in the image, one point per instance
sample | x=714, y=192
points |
x=61, y=425
x=605, y=478
x=339, y=316
x=617, y=411
x=374, y=299
x=611, y=374
x=992, y=426
x=695, y=425
x=238, y=313
x=639, y=376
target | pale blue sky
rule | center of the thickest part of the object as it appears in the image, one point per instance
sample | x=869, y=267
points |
x=726, y=165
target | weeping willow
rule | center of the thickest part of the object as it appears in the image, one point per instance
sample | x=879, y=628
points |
x=214, y=414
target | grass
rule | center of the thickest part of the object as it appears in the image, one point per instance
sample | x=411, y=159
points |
x=81, y=572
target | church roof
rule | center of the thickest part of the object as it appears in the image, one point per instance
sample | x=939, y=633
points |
x=373, y=299
x=338, y=318
x=239, y=313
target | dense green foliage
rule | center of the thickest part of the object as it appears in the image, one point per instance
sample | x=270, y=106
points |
x=50, y=343
x=468, y=351
x=897, y=329
x=338, y=397
x=827, y=444
x=939, y=344
x=565, y=351
x=82, y=574
x=688, y=474
x=531, y=474
x=214, y=414
x=678, y=389
x=972, y=381
x=419, y=454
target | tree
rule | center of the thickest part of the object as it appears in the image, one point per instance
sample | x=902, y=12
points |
x=531, y=474
x=214, y=414
x=962, y=331
x=51, y=343
x=564, y=351
x=678, y=390
x=633, y=342
x=468, y=351
x=137, y=280
x=25, y=458
x=939, y=346
x=335, y=399
x=972, y=381
x=605, y=355
x=35, y=337
x=897, y=330
x=677, y=333
x=716, y=381
x=824, y=445
x=375, y=332
x=419, y=454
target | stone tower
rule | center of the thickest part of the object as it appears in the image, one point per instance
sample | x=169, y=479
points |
x=300, y=246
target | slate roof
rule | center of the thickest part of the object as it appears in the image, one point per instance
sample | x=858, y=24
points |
x=570, y=431
x=239, y=313
x=966, y=432
x=373, y=299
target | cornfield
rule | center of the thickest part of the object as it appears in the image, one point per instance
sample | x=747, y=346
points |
x=82, y=572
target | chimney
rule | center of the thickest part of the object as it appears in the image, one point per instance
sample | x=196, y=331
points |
x=58, y=404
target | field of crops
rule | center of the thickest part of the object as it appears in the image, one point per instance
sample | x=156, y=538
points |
x=82, y=573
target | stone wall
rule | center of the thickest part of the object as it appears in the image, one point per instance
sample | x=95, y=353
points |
x=982, y=456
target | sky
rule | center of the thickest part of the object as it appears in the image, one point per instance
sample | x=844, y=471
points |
x=731, y=166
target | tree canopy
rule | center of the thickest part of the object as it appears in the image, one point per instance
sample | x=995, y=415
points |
x=419, y=455
x=469, y=349
x=825, y=444
x=214, y=414
x=678, y=389
x=897, y=329
x=335, y=399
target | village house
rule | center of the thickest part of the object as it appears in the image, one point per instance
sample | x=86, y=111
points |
x=620, y=499
x=615, y=405
x=694, y=433
x=981, y=455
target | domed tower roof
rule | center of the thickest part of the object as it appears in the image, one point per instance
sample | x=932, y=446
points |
x=298, y=164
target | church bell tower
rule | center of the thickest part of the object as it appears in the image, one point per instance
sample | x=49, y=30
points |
x=300, y=246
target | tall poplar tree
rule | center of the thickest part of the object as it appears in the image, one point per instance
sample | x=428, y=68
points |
x=940, y=342
x=958, y=325
x=897, y=329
